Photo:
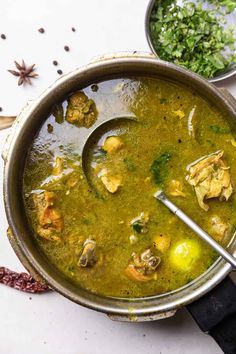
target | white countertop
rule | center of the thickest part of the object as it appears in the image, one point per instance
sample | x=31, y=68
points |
x=49, y=323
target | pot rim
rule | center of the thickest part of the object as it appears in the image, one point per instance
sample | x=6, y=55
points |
x=142, y=306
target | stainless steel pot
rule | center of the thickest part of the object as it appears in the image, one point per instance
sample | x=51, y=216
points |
x=14, y=154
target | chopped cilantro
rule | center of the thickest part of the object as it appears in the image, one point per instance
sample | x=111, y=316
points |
x=163, y=100
x=219, y=130
x=193, y=37
x=137, y=226
x=229, y=4
x=159, y=167
x=131, y=166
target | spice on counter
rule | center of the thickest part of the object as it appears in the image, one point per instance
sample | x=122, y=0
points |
x=21, y=281
x=41, y=30
x=66, y=48
x=73, y=29
x=55, y=62
x=59, y=72
x=25, y=74
x=3, y=36
x=192, y=36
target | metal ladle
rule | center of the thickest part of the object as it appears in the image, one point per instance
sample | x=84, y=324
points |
x=93, y=138
x=160, y=195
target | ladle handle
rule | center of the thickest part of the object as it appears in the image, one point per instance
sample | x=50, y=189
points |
x=196, y=228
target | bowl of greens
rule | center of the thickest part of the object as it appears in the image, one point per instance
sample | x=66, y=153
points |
x=199, y=35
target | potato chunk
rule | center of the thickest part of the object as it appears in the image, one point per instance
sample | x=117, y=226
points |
x=180, y=114
x=162, y=242
x=81, y=110
x=184, y=254
x=211, y=178
x=175, y=188
x=112, y=144
x=112, y=183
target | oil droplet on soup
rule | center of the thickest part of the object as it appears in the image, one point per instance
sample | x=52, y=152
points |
x=113, y=238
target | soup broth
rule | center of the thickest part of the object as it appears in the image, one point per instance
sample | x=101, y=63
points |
x=107, y=233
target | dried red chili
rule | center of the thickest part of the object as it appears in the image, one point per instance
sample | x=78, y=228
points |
x=21, y=281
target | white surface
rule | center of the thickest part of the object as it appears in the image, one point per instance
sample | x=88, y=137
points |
x=50, y=324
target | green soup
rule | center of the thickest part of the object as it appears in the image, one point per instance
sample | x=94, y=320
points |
x=111, y=236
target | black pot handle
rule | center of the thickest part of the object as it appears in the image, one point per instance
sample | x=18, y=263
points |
x=215, y=314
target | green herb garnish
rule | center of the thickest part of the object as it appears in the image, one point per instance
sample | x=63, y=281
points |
x=131, y=166
x=137, y=226
x=163, y=100
x=193, y=37
x=159, y=167
x=229, y=4
x=219, y=130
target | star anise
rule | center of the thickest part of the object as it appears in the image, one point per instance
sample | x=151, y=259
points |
x=24, y=73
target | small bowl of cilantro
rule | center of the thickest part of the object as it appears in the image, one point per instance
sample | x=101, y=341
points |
x=199, y=35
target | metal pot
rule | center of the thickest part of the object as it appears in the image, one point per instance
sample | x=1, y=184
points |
x=14, y=154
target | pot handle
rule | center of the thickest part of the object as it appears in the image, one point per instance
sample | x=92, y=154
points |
x=215, y=314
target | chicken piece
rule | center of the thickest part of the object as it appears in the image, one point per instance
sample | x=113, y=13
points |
x=58, y=166
x=134, y=274
x=162, y=242
x=143, y=267
x=88, y=256
x=112, y=144
x=175, y=188
x=210, y=177
x=49, y=218
x=139, y=224
x=219, y=229
x=81, y=110
x=112, y=183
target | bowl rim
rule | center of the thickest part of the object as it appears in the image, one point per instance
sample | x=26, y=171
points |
x=142, y=307
x=221, y=77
